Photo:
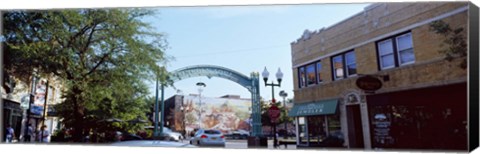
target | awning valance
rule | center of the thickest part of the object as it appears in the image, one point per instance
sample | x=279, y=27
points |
x=324, y=107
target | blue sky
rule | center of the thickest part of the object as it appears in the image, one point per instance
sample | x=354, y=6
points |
x=243, y=38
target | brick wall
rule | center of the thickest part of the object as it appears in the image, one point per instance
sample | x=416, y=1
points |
x=360, y=33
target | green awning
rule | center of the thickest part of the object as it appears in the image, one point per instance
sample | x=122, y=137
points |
x=324, y=107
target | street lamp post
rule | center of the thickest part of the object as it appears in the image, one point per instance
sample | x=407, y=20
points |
x=279, y=76
x=182, y=109
x=155, y=129
x=30, y=102
x=285, y=121
x=200, y=86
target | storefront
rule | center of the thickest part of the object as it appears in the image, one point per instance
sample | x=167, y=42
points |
x=12, y=115
x=315, y=121
x=427, y=118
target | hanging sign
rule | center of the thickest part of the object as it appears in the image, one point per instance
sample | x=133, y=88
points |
x=369, y=83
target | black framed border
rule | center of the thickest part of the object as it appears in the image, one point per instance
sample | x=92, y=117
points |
x=2, y=135
x=473, y=64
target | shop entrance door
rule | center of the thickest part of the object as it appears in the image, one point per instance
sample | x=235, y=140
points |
x=355, y=129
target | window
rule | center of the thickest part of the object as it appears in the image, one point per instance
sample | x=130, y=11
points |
x=351, y=63
x=319, y=70
x=385, y=50
x=337, y=67
x=311, y=77
x=396, y=51
x=344, y=65
x=405, y=49
x=309, y=74
x=301, y=77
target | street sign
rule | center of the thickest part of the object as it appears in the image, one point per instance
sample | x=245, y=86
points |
x=274, y=113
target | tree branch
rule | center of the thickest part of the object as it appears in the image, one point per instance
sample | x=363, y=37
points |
x=102, y=60
x=87, y=44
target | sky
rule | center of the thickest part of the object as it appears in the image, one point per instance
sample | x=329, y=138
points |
x=242, y=38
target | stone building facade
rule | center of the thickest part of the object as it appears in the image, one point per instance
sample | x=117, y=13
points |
x=392, y=42
x=16, y=105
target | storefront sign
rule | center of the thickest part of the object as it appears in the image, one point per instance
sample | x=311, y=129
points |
x=381, y=130
x=314, y=108
x=40, y=92
x=369, y=83
x=10, y=104
x=36, y=109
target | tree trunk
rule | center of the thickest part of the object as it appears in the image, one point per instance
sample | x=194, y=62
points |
x=78, y=115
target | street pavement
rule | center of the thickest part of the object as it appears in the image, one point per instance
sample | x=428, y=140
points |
x=242, y=144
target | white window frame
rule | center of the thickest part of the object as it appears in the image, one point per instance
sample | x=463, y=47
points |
x=380, y=54
x=398, y=50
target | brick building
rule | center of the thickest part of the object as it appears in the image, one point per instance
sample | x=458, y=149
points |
x=422, y=103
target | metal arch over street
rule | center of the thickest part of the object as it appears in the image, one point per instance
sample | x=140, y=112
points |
x=251, y=83
x=211, y=71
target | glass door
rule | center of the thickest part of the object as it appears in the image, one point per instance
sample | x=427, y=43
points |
x=302, y=131
x=316, y=129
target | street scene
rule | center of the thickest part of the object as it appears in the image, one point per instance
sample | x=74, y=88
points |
x=354, y=76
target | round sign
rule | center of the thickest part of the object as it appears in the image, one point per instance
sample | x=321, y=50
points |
x=274, y=113
x=369, y=83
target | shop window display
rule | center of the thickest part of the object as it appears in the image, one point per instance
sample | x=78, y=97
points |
x=417, y=127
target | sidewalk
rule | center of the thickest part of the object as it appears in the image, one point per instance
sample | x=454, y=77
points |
x=289, y=146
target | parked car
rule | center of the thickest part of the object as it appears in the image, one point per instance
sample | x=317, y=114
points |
x=168, y=134
x=208, y=137
x=152, y=143
x=239, y=134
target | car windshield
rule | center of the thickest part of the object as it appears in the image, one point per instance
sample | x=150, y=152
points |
x=212, y=132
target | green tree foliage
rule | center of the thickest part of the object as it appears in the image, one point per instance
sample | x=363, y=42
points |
x=454, y=39
x=103, y=55
x=266, y=118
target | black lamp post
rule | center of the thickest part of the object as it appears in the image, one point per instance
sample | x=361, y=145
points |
x=279, y=76
x=184, y=108
x=285, y=121
x=30, y=102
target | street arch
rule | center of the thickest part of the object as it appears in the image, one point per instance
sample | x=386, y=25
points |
x=250, y=83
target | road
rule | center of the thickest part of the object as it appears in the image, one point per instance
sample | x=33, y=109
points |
x=242, y=144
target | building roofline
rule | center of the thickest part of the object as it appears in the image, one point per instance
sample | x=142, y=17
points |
x=405, y=28
x=366, y=8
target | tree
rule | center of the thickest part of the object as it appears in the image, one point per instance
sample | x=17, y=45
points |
x=103, y=55
x=455, y=41
x=266, y=118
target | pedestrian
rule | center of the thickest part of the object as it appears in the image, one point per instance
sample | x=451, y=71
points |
x=277, y=142
x=183, y=134
x=10, y=134
x=43, y=134
x=29, y=134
